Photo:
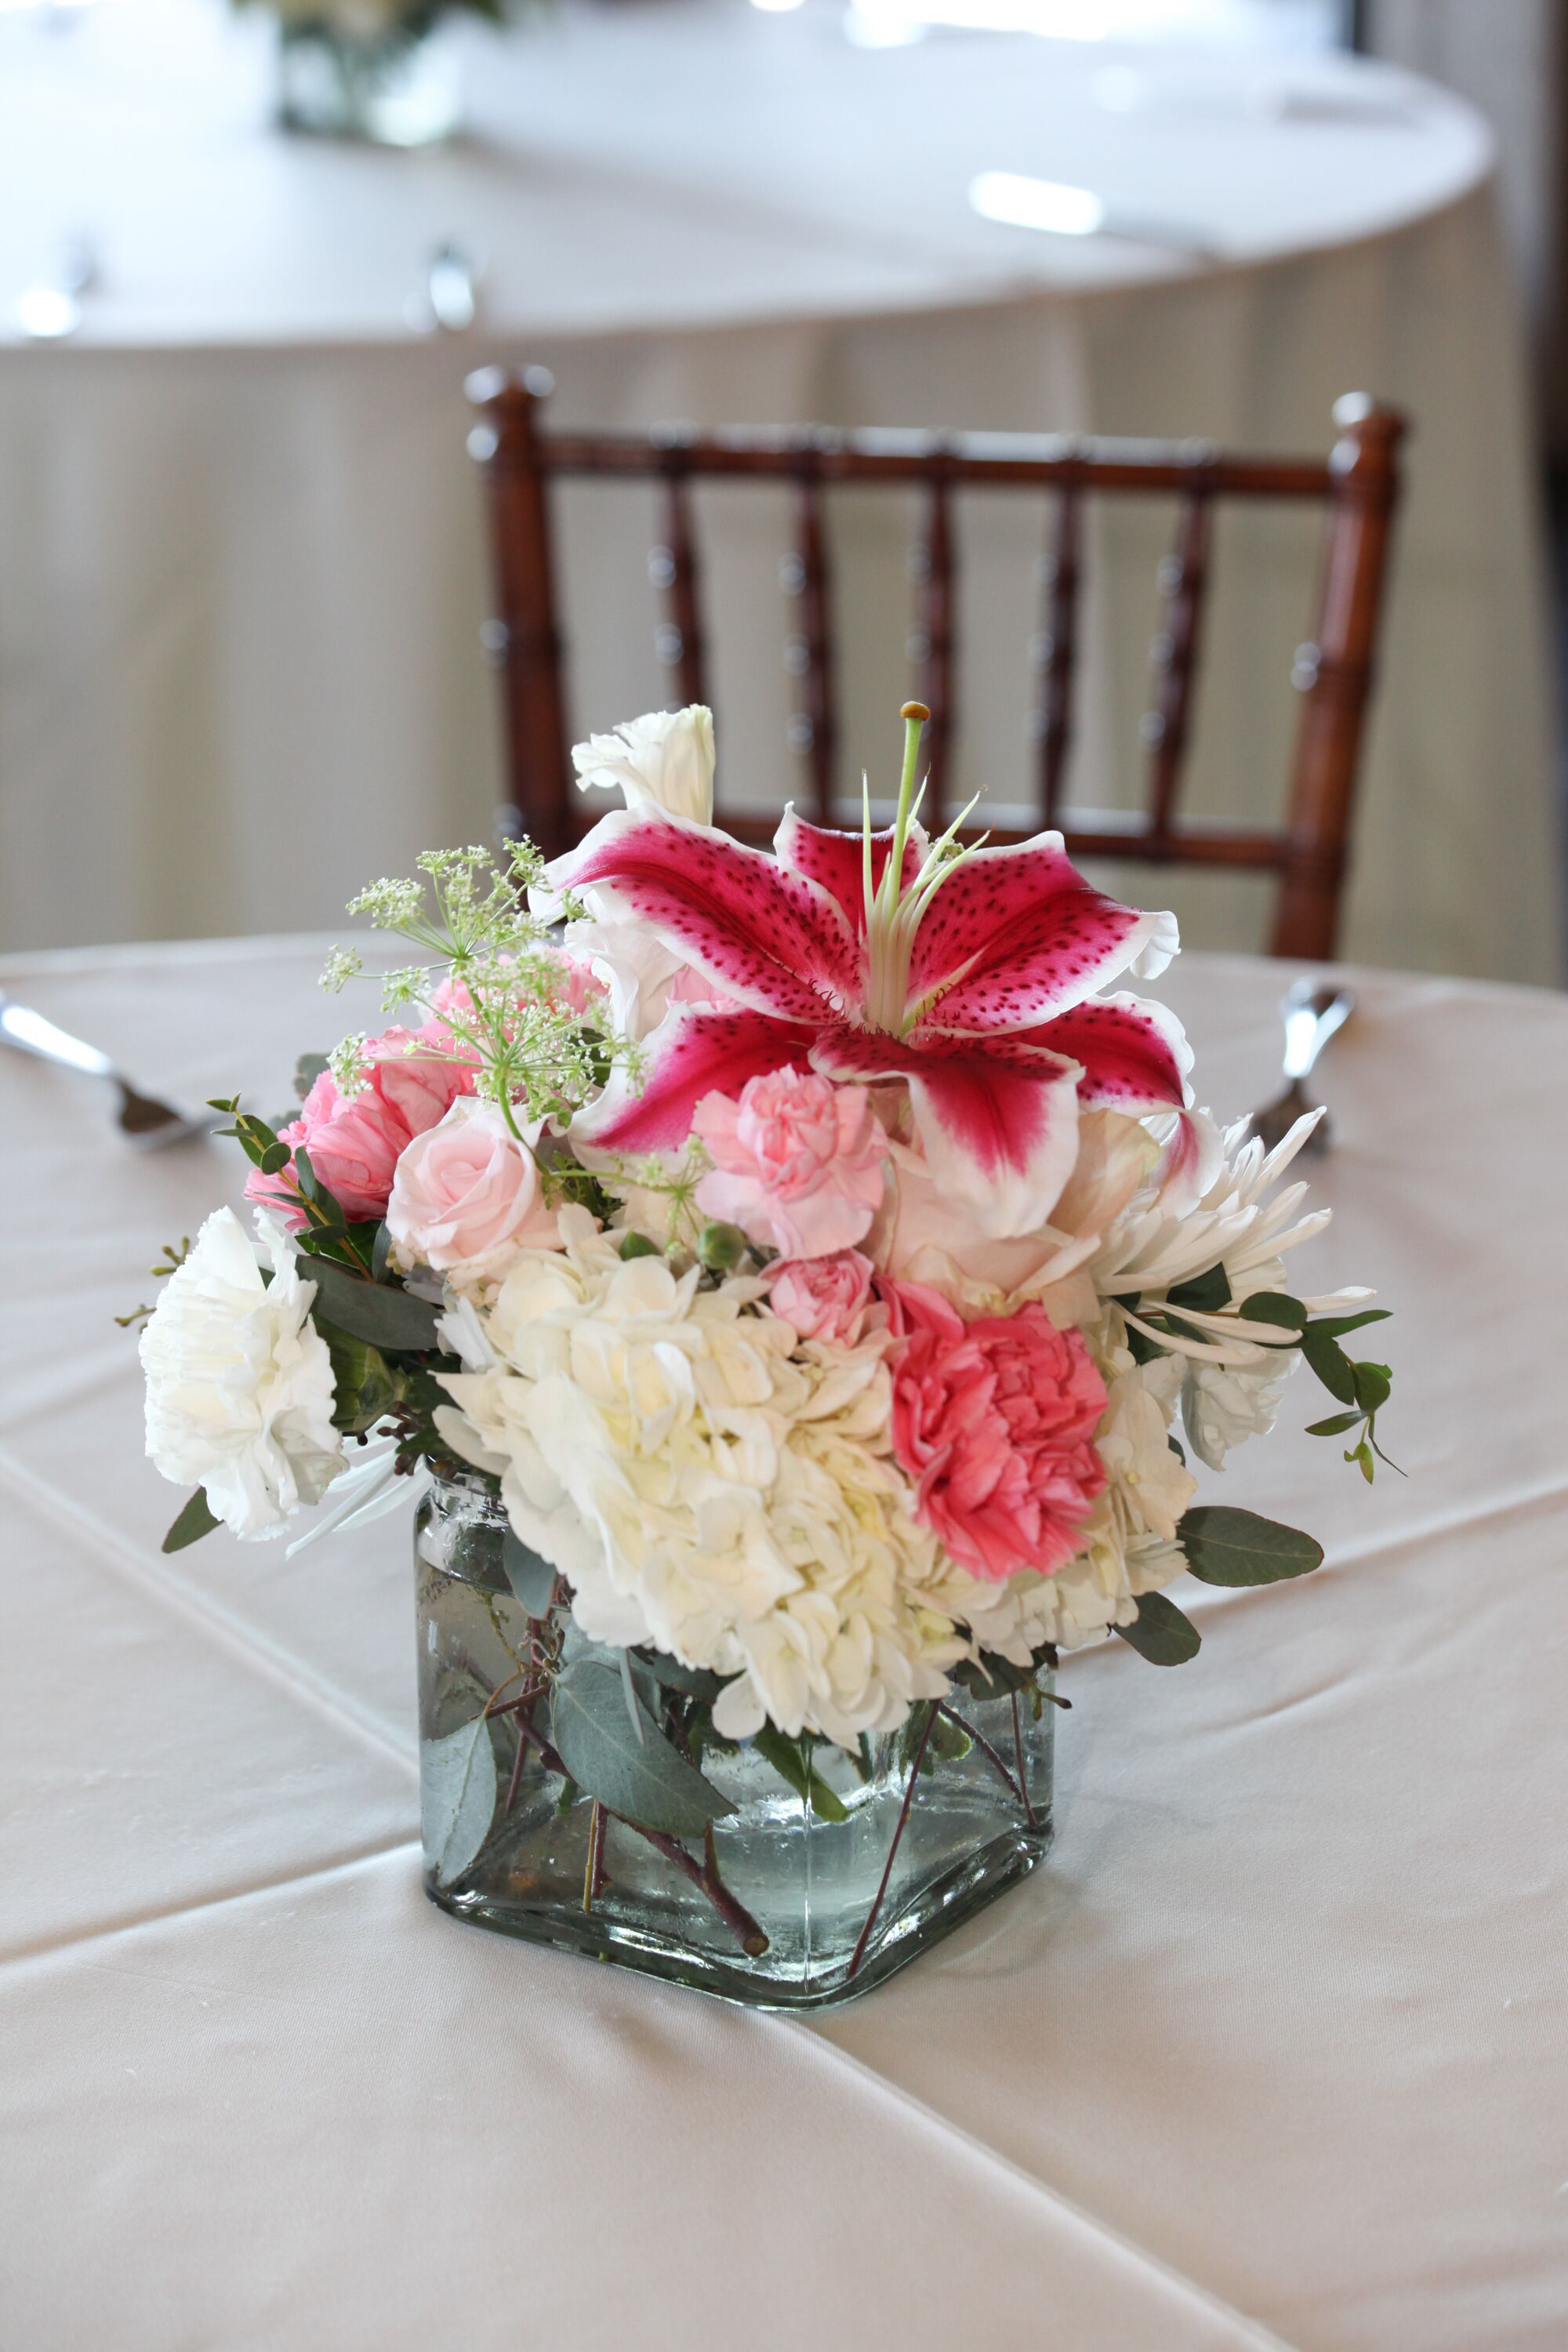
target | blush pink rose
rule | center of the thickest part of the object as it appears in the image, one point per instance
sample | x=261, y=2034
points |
x=823, y=1298
x=994, y=1421
x=467, y=1191
x=798, y=1163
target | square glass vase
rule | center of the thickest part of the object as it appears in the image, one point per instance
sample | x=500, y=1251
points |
x=787, y=1901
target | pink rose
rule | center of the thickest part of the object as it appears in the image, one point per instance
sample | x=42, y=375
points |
x=798, y=1163
x=468, y=1189
x=823, y=1298
x=412, y=1071
x=994, y=1421
x=354, y=1142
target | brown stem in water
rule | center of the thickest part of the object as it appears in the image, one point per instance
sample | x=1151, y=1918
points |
x=989, y=1753
x=865, y=1936
x=753, y=1942
x=1019, y=1752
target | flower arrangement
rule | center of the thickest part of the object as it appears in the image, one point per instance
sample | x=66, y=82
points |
x=806, y=1262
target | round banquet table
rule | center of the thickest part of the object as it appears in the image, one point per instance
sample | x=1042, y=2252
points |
x=1273, y=2051
x=242, y=575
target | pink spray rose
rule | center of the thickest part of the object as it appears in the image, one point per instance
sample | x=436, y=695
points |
x=823, y=1298
x=994, y=1421
x=798, y=1163
x=466, y=1189
x=356, y=1140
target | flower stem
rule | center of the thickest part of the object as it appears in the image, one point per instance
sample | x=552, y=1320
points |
x=1014, y=1788
x=865, y=1936
x=753, y=1941
x=1019, y=1753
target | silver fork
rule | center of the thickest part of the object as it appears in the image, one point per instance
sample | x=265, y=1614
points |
x=148, y=1123
x=1312, y=1013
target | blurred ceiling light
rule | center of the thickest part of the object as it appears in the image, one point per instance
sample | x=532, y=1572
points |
x=1245, y=24
x=47, y=312
x=1048, y=205
x=777, y=8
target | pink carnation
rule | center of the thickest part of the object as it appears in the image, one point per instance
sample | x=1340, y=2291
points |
x=798, y=1163
x=356, y=1140
x=994, y=1421
x=823, y=1298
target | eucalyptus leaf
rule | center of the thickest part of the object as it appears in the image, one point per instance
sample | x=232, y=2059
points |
x=1161, y=1634
x=1331, y=1365
x=1336, y=1424
x=672, y=1674
x=194, y=1522
x=1230, y=1547
x=1374, y=1385
x=791, y=1760
x=371, y=1311
x=457, y=1797
x=990, y=1676
x=1275, y=1307
x=1205, y=1294
x=647, y=1782
x=532, y=1580
x=1336, y=1327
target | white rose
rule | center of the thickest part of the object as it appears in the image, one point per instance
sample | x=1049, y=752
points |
x=239, y=1383
x=666, y=759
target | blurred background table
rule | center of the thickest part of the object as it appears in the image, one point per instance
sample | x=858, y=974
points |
x=1270, y=2053
x=242, y=578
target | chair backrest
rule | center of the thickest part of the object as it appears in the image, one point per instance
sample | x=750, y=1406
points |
x=1358, y=484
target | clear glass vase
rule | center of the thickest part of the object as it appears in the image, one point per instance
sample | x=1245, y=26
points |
x=398, y=88
x=776, y=1904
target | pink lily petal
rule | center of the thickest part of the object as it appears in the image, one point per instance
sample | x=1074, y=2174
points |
x=1135, y=1054
x=836, y=861
x=773, y=939
x=997, y=1120
x=693, y=1054
x=1016, y=935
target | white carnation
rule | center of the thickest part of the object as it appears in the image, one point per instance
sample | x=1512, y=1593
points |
x=665, y=760
x=239, y=1383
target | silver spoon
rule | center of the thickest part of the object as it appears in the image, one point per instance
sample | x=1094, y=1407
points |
x=1312, y=1013
x=148, y=1123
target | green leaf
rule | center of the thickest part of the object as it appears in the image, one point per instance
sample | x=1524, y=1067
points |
x=380, y=1251
x=532, y=1580
x=1335, y=1327
x=306, y=1070
x=274, y=1160
x=949, y=1740
x=672, y=1674
x=457, y=1797
x=1362, y=1454
x=194, y=1522
x=1142, y=1349
x=371, y=1311
x=1230, y=1547
x=364, y=1386
x=1175, y=1446
x=1161, y=1634
x=1374, y=1385
x=1336, y=1424
x=989, y=1676
x=791, y=1760
x=1275, y=1307
x=1205, y=1294
x=647, y=1780
x=1331, y=1365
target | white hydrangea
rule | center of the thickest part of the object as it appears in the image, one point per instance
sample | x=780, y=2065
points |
x=1224, y=1404
x=706, y=1488
x=239, y=1383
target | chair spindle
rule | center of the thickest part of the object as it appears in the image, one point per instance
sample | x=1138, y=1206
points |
x=680, y=641
x=935, y=568
x=815, y=729
x=1183, y=581
x=1056, y=647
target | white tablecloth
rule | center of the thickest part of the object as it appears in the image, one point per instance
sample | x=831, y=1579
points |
x=1273, y=2051
x=241, y=570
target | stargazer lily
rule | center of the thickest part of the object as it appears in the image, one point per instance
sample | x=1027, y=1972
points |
x=967, y=973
